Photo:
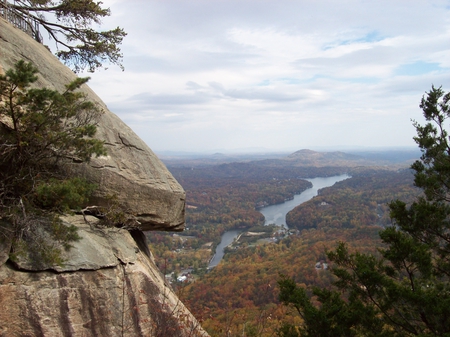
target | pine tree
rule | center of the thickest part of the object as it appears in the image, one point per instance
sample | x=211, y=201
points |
x=41, y=130
x=69, y=24
x=405, y=289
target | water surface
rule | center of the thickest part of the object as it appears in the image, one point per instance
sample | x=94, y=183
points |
x=276, y=214
x=227, y=239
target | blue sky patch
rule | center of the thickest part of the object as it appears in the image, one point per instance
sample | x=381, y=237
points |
x=370, y=37
x=417, y=68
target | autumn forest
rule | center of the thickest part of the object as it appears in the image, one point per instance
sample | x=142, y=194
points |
x=239, y=297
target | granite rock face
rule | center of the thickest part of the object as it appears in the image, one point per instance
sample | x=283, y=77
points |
x=109, y=284
x=108, y=287
x=131, y=171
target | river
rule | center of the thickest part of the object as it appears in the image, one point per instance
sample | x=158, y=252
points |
x=276, y=214
x=227, y=239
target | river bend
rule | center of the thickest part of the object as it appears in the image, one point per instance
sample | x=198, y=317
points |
x=276, y=214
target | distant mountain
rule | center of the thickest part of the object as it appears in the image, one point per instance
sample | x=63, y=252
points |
x=319, y=159
x=301, y=158
x=216, y=158
x=312, y=158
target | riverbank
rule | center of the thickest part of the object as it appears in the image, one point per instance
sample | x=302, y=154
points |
x=276, y=214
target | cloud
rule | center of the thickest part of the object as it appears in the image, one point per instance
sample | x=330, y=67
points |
x=148, y=100
x=203, y=75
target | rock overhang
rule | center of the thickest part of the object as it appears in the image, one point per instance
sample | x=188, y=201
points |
x=131, y=172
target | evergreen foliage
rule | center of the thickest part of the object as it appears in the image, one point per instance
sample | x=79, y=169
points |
x=40, y=131
x=404, y=290
x=64, y=195
x=79, y=45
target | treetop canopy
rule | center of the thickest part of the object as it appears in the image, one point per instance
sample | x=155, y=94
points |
x=69, y=24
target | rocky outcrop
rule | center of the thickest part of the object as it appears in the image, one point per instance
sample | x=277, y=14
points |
x=131, y=171
x=108, y=284
x=107, y=287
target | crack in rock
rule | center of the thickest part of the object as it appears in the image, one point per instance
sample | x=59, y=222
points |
x=103, y=166
x=127, y=143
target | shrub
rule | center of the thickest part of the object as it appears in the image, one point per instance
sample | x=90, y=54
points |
x=64, y=195
x=40, y=130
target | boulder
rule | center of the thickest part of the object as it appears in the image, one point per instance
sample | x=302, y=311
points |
x=107, y=287
x=99, y=247
x=130, y=172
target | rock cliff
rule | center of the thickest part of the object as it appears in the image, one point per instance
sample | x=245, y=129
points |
x=109, y=284
x=108, y=287
x=146, y=186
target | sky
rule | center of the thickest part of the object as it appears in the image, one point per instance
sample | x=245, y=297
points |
x=264, y=75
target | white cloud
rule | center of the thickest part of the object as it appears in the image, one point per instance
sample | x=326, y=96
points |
x=202, y=75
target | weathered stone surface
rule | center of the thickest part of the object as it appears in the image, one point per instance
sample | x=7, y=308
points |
x=98, y=248
x=131, y=171
x=118, y=293
x=109, y=284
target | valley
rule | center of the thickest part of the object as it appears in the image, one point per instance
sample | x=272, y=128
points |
x=241, y=291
